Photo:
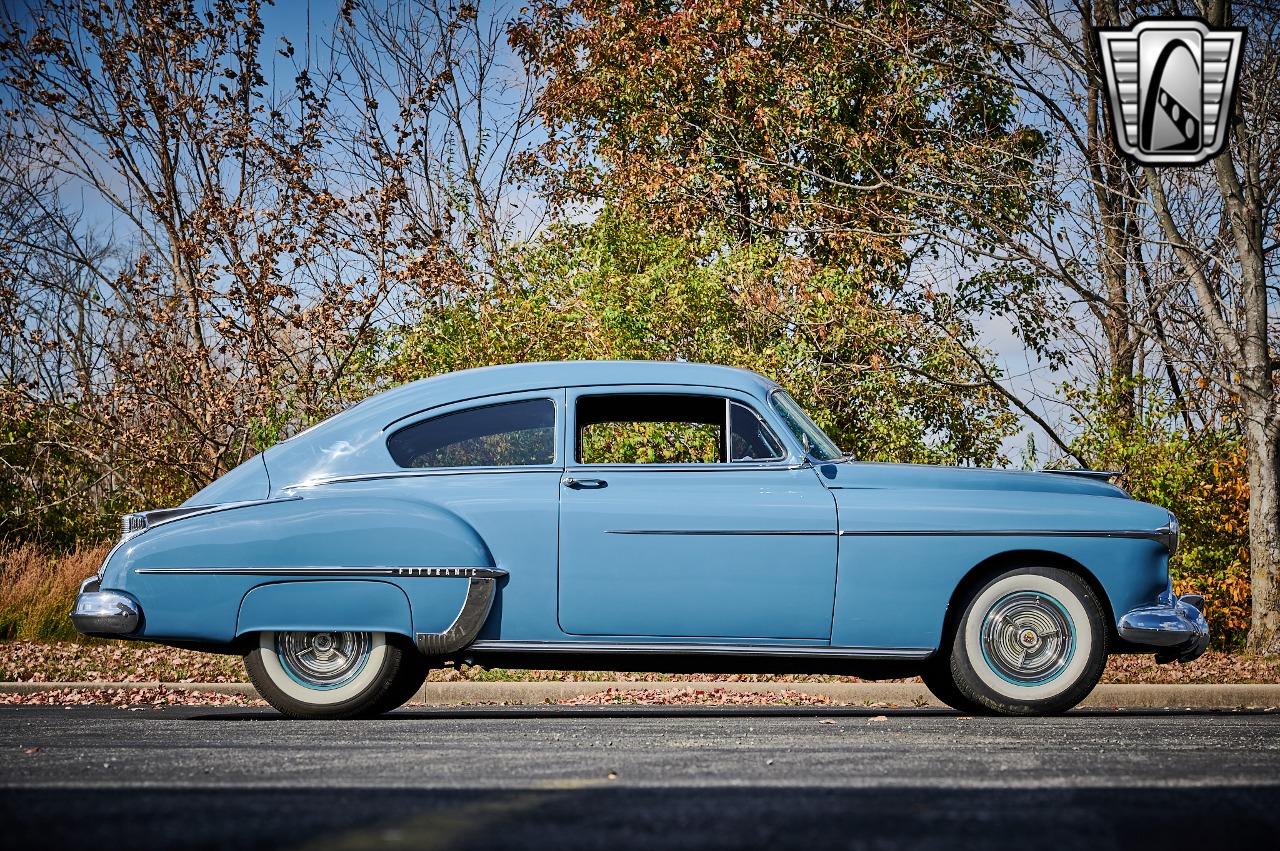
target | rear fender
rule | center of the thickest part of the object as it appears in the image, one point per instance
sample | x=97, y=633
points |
x=398, y=565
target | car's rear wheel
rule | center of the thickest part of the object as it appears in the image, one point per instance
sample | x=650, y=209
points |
x=1031, y=641
x=334, y=674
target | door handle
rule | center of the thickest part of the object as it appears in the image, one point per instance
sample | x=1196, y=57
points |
x=584, y=484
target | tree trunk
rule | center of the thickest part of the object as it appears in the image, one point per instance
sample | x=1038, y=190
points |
x=1264, y=538
x=1113, y=188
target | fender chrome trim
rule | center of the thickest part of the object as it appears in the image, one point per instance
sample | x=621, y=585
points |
x=138, y=522
x=481, y=589
x=1162, y=534
x=439, y=572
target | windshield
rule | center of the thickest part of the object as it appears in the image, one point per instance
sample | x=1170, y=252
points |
x=806, y=430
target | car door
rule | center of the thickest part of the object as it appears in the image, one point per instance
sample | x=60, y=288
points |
x=683, y=515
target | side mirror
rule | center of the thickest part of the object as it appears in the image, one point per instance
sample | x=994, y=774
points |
x=804, y=443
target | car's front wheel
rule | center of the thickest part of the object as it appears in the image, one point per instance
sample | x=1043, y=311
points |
x=1031, y=641
x=334, y=674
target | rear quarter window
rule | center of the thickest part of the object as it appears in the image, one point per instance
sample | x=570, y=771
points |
x=509, y=434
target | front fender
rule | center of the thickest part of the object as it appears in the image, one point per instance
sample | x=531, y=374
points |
x=905, y=551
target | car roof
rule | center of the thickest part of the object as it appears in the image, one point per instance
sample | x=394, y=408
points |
x=352, y=442
x=514, y=378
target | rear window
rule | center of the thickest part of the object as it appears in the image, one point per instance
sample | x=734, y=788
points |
x=510, y=434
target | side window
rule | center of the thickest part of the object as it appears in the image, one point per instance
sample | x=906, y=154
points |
x=750, y=439
x=510, y=434
x=652, y=428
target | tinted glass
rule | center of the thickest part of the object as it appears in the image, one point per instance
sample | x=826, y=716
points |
x=751, y=439
x=513, y=434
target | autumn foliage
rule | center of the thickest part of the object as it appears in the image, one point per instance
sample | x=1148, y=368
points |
x=1199, y=476
x=216, y=235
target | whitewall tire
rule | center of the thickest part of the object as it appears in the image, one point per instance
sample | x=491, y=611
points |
x=334, y=674
x=1030, y=641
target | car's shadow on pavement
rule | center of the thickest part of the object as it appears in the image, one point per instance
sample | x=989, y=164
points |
x=551, y=711
x=418, y=713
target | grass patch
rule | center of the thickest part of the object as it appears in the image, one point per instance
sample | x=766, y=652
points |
x=38, y=588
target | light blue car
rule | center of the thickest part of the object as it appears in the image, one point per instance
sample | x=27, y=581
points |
x=638, y=516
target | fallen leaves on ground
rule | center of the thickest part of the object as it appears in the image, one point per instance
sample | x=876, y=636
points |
x=65, y=661
x=1211, y=668
x=127, y=697
x=147, y=664
x=697, y=697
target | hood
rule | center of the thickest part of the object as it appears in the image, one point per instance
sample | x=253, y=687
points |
x=873, y=475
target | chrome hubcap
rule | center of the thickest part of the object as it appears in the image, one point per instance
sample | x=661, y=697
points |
x=1027, y=637
x=323, y=660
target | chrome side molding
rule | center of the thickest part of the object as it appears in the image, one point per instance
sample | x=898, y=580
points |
x=818, y=532
x=325, y=570
x=1166, y=535
x=691, y=649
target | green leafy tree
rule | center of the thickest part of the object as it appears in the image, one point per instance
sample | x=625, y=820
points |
x=875, y=145
x=616, y=289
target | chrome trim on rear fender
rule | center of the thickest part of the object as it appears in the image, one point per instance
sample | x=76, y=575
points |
x=133, y=525
x=319, y=570
x=481, y=589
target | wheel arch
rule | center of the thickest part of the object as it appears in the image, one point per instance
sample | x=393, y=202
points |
x=992, y=566
x=322, y=605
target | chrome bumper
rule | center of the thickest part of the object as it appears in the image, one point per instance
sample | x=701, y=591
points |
x=104, y=612
x=1175, y=627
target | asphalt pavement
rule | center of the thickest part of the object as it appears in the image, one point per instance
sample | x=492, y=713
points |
x=671, y=778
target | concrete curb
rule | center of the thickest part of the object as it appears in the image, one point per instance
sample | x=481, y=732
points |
x=1233, y=696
